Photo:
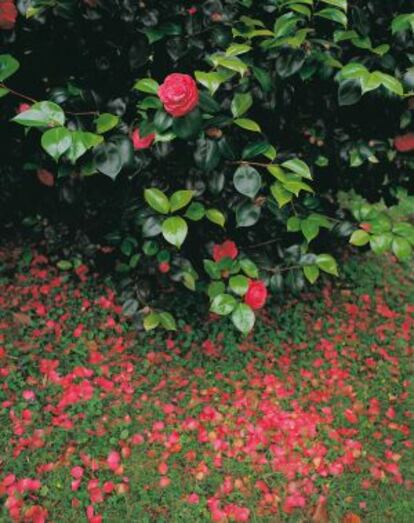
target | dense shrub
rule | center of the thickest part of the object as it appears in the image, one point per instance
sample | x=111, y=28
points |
x=227, y=146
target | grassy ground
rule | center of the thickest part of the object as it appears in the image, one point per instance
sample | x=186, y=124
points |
x=309, y=419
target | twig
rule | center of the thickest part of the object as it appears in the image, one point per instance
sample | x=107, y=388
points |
x=33, y=100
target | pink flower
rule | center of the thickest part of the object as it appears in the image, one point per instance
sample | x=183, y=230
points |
x=179, y=94
x=113, y=460
x=193, y=498
x=256, y=294
x=77, y=472
x=144, y=142
x=29, y=395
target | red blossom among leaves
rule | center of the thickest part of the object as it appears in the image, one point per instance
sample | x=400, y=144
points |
x=8, y=14
x=143, y=142
x=404, y=143
x=179, y=94
x=256, y=294
x=227, y=249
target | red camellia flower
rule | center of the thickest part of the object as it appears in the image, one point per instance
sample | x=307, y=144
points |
x=256, y=294
x=227, y=249
x=23, y=107
x=142, y=143
x=164, y=267
x=404, y=143
x=179, y=94
x=8, y=14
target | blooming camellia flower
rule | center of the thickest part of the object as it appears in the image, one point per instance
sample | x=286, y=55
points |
x=8, y=14
x=227, y=249
x=179, y=94
x=404, y=143
x=142, y=143
x=256, y=294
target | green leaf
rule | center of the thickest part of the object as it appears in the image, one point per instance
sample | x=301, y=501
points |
x=213, y=80
x=255, y=149
x=293, y=224
x=215, y=288
x=341, y=4
x=41, y=114
x=239, y=284
x=247, y=214
x=82, y=141
x=175, y=230
x=359, y=238
x=247, y=181
x=264, y=78
x=237, y=49
x=180, y=199
x=157, y=200
x=64, y=265
x=151, y=321
x=249, y=268
x=168, y=321
x=212, y=269
x=381, y=243
x=390, y=83
x=310, y=229
x=216, y=216
x=56, y=142
x=188, y=126
x=8, y=66
x=147, y=85
x=207, y=154
x=311, y=273
x=280, y=194
x=401, y=248
x=243, y=318
x=335, y=15
x=403, y=22
x=105, y=122
x=108, y=160
x=195, y=212
x=349, y=92
x=240, y=104
x=327, y=264
x=223, y=304
x=229, y=62
x=370, y=82
x=299, y=167
x=405, y=230
x=295, y=187
x=248, y=125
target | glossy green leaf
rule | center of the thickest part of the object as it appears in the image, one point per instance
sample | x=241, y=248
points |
x=175, y=230
x=247, y=181
x=147, y=85
x=223, y=304
x=157, y=200
x=56, y=142
x=180, y=199
x=41, y=114
x=243, y=318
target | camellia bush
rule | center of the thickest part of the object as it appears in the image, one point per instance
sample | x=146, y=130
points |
x=226, y=147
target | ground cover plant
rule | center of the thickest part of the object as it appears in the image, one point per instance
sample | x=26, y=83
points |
x=310, y=418
x=230, y=147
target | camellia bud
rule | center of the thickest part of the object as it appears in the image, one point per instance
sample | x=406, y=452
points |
x=214, y=132
x=164, y=267
x=366, y=226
